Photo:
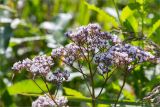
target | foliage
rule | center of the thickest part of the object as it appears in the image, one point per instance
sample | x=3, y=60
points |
x=34, y=27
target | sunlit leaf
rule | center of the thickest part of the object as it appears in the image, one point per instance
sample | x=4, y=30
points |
x=128, y=95
x=102, y=101
x=115, y=86
x=72, y=92
x=126, y=12
x=140, y=1
x=134, y=23
x=27, y=86
x=109, y=20
x=84, y=14
x=155, y=26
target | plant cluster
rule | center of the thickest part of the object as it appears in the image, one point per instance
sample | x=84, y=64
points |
x=90, y=46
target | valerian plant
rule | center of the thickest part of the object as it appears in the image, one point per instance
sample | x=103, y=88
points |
x=101, y=52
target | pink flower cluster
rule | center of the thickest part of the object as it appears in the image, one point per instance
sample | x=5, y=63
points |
x=41, y=65
x=38, y=65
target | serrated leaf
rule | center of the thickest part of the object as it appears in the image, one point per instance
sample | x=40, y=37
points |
x=155, y=26
x=27, y=86
x=126, y=12
x=72, y=92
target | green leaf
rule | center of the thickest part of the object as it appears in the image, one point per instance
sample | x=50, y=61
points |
x=133, y=22
x=83, y=14
x=72, y=92
x=102, y=101
x=105, y=17
x=115, y=86
x=27, y=86
x=126, y=12
x=140, y=1
x=153, y=83
x=128, y=95
x=155, y=26
x=5, y=35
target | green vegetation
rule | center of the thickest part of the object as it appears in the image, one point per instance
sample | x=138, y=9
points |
x=34, y=27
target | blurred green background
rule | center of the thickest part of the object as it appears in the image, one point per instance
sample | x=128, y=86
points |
x=33, y=27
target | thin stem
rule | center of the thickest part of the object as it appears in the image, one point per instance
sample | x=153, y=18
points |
x=117, y=12
x=39, y=86
x=49, y=91
x=124, y=81
x=74, y=68
x=92, y=84
x=85, y=79
x=56, y=91
x=81, y=73
x=106, y=79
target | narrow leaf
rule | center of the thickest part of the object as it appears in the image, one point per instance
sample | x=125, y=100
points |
x=102, y=101
x=155, y=26
x=134, y=23
x=126, y=12
x=72, y=92
x=104, y=15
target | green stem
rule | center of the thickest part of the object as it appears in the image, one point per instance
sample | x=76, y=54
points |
x=117, y=12
x=124, y=81
x=44, y=91
x=92, y=84
x=49, y=92
x=81, y=71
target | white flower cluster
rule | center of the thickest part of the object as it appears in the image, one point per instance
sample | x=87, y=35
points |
x=122, y=55
x=38, y=65
x=46, y=101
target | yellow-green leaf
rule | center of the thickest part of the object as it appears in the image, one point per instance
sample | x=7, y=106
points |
x=140, y=1
x=155, y=26
x=133, y=22
x=72, y=92
x=27, y=87
x=109, y=20
x=126, y=12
